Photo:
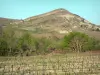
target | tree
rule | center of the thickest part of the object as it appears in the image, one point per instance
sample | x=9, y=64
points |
x=3, y=47
x=7, y=40
x=75, y=41
x=10, y=38
x=44, y=44
x=93, y=44
x=41, y=45
x=25, y=43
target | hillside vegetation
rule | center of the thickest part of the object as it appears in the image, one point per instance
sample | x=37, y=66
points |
x=12, y=44
x=58, y=30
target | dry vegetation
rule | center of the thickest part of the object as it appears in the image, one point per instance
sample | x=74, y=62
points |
x=47, y=34
x=52, y=64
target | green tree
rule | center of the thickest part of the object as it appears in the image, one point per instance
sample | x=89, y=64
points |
x=25, y=43
x=41, y=45
x=75, y=41
x=44, y=45
x=7, y=40
x=9, y=36
x=3, y=47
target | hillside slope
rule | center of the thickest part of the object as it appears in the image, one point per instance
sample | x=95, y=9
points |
x=6, y=21
x=59, y=21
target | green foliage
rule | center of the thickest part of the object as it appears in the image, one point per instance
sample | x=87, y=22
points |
x=8, y=40
x=25, y=44
x=42, y=45
x=77, y=42
x=3, y=47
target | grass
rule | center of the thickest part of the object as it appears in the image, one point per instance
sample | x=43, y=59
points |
x=52, y=64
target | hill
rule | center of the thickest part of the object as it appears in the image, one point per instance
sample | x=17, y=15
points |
x=57, y=22
x=6, y=21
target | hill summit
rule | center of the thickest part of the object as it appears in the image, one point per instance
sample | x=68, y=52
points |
x=59, y=21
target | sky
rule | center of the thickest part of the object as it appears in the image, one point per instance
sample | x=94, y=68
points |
x=21, y=9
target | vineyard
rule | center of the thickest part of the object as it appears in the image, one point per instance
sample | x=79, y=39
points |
x=53, y=64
